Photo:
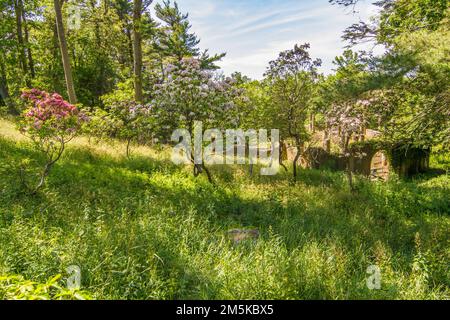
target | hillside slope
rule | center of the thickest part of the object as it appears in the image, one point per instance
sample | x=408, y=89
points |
x=143, y=228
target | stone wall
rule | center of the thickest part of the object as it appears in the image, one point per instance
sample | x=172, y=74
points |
x=375, y=162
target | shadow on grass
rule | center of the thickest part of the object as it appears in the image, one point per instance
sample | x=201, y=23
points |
x=318, y=208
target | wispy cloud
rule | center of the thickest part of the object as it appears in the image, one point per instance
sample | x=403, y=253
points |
x=253, y=32
x=280, y=20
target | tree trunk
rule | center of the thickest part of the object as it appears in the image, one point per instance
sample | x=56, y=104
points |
x=350, y=173
x=27, y=43
x=44, y=175
x=350, y=164
x=294, y=164
x=18, y=8
x=312, y=122
x=297, y=157
x=137, y=50
x=327, y=142
x=362, y=136
x=48, y=166
x=4, y=91
x=64, y=52
x=282, y=145
x=208, y=174
x=128, y=147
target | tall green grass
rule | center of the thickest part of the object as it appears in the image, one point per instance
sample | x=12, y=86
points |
x=146, y=229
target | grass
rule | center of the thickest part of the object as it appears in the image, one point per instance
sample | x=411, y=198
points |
x=143, y=228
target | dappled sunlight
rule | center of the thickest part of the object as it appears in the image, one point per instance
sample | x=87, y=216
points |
x=137, y=162
x=138, y=224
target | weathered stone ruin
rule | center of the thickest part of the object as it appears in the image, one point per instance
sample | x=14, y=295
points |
x=374, y=159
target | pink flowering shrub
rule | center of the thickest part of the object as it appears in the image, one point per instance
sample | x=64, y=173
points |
x=50, y=115
x=50, y=122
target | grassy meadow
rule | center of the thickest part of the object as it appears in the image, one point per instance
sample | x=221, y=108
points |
x=143, y=228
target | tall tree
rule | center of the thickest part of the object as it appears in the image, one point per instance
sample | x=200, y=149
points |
x=137, y=50
x=27, y=42
x=415, y=66
x=292, y=78
x=5, y=31
x=175, y=38
x=4, y=91
x=18, y=8
x=123, y=9
x=64, y=51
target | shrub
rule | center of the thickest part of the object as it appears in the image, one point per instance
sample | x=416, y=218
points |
x=191, y=94
x=126, y=120
x=17, y=288
x=50, y=122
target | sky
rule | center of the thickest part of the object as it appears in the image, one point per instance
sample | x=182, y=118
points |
x=253, y=32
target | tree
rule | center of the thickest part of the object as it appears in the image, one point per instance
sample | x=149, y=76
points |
x=256, y=109
x=414, y=69
x=125, y=120
x=123, y=10
x=175, y=40
x=19, y=11
x=16, y=62
x=396, y=17
x=191, y=94
x=27, y=43
x=349, y=119
x=4, y=90
x=292, y=78
x=51, y=123
x=137, y=50
x=98, y=57
x=352, y=103
x=58, y=4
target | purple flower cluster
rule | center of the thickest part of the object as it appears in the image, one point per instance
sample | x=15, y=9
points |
x=50, y=108
x=46, y=106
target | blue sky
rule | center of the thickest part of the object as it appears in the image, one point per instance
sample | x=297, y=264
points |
x=253, y=32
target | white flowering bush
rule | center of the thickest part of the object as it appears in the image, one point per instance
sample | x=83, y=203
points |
x=191, y=94
x=292, y=79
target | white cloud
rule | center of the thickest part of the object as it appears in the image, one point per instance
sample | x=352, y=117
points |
x=254, y=32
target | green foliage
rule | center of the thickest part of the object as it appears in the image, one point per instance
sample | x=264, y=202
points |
x=414, y=71
x=174, y=40
x=125, y=120
x=406, y=16
x=191, y=94
x=100, y=49
x=291, y=80
x=143, y=228
x=51, y=123
x=17, y=288
x=256, y=108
